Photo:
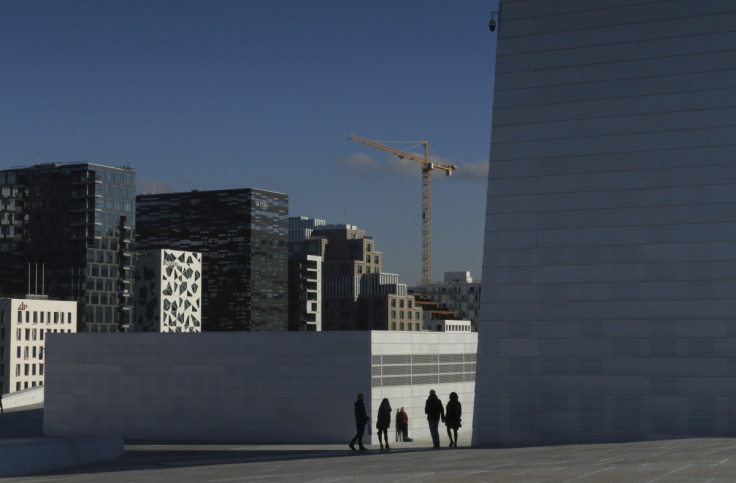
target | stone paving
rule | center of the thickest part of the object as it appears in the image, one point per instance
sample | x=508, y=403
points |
x=676, y=460
x=681, y=460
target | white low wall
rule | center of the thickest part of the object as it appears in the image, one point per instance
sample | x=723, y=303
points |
x=23, y=398
x=19, y=457
x=288, y=387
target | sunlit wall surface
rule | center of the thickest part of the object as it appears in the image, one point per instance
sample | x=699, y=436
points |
x=608, y=309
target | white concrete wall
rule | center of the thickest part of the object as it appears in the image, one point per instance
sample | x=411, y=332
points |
x=609, y=267
x=256, y=387
x=412, y=397
x=217, y=386
x=23, y=398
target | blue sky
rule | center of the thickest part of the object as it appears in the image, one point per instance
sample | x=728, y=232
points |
x=263, y=94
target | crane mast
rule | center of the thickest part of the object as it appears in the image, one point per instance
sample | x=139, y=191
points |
x=427, y=167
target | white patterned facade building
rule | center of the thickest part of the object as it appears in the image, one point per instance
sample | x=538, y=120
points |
x=168, y=291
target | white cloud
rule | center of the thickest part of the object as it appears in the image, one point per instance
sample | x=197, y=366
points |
x=477, y=171
x=359, y=165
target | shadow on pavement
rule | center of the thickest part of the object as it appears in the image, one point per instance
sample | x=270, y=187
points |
x=21, y=424
x=146, y=457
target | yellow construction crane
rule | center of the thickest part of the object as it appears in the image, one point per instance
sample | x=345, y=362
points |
x=427, y=166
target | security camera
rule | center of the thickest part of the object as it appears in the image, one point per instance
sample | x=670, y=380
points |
x=492, y=23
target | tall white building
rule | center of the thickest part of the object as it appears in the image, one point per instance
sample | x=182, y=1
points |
x=609, y=267
x=168, y=291
x=24, y=324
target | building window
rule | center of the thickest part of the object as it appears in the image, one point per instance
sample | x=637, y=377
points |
x=401, y=326
x=393, y=325
x=393, y=302
x=408, y=314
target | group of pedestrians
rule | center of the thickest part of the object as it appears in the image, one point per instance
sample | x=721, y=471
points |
x=450, y=415
x=433, y=408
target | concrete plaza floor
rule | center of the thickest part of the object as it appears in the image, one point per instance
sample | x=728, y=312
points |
x=676, y=460
x=681, y=460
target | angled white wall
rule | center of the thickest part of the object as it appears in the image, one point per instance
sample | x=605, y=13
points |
x=609, y=274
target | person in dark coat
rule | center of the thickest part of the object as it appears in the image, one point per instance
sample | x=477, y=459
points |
x=452, y=417
x=383, y=422
x=361, y=418
x=435, y=411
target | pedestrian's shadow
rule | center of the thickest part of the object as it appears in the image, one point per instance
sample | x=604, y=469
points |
x=145, y=457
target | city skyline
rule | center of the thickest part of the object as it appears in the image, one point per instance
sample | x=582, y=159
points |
x=198, y=96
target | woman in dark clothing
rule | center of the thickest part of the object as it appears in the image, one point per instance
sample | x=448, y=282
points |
x=383, y=422
x=452, y=417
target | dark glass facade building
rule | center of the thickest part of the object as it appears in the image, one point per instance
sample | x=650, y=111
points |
x=65, y=231
x=242, y=235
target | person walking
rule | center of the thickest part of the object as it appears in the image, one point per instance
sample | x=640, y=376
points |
x=452, y=417
x=361, y=418
x=402, y=424
x=383, y=421
x=435, y=411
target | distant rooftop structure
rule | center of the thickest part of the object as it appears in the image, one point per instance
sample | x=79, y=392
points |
x=301, y=227
x=458, y=277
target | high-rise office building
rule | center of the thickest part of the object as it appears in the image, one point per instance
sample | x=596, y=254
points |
x=65, y=231
x=610, y=235
x=242, y=235
x=355, y=294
